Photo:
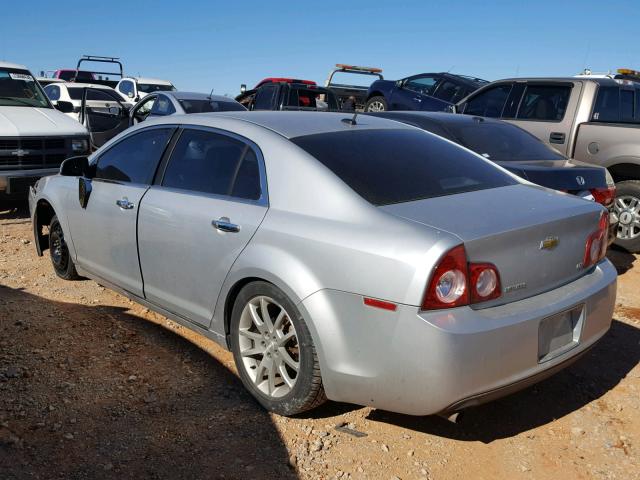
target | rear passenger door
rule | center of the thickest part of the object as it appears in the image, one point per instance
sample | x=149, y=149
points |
x=413, y=92
x=197, y=218
x=547, y=111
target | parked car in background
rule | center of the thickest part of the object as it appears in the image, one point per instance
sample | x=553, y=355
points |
x=169, y=103
x=288, y=94
x=85, y=75
x=592, y=120
x=349, y=260
x=34, y=137
x=44, y=81
x=71, y=75
x=98, y=96
x=352, y=81
x=136, y=88
x=427, y=91
x=520, y=152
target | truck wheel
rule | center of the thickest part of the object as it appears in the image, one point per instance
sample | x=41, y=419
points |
x=376, y=104
x=274, y=352
x=60, y=257
x=627, y=208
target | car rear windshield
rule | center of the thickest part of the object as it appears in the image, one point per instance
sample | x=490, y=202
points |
x=152, y=87
x=204, y=106
x=501, y=142
x=69, y=75
x=387, y=166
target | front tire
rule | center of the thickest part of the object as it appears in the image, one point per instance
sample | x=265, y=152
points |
x=376, y=104
x=59, y=252
x=627, y=208
x=274, y=352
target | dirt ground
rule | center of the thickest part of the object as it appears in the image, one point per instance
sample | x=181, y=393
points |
x=95, y=386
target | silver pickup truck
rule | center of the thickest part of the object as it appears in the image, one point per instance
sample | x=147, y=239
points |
x=594, y=120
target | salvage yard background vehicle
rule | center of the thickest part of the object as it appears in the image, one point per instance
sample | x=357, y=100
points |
x=593, y=120
x=136, y=88
x=521, y=153
x=34, y=137
x=427, y=91
x=356, y=289
x=352, y=81
x=288, y=94
x=98, y=97
x=180, y=103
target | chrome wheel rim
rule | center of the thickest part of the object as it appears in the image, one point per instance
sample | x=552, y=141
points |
x=269, y=346
x=375, y=107
x=627, y=210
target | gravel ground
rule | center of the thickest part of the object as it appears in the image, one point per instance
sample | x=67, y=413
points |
x=95, y=386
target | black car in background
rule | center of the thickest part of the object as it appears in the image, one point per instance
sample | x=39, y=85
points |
x=518, y=151
x=427, y=92
x=288, y=94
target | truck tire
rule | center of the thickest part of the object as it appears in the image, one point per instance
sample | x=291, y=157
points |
x=376, y=104
x=627, y=208
x=59, y=251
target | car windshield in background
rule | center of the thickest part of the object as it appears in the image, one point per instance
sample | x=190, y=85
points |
x=373, y=165
x=69, y=75
x=19, y=89
x=152, y=87
x=501, y=142
x=204, y=106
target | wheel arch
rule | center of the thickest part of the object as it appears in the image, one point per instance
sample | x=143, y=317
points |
x=624, y=171
x=43, y=213
x=376, y=93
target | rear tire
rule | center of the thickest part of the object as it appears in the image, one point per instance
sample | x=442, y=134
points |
x=59, y=252
x=627, y=208
x=376, y=104
x=274, y=353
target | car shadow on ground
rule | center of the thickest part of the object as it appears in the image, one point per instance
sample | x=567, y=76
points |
x=621, y=259
x=599, y=371
x=97, y=392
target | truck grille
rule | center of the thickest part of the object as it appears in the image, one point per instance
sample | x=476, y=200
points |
x=32, y=153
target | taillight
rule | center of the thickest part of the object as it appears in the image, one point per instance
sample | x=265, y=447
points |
x=456, y=282
x=604, y=196
x=596, y=246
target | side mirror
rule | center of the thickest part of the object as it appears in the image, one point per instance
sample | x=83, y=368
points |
x=75, y=167
x=64, y=107
x=399, y=83
x=243, y=88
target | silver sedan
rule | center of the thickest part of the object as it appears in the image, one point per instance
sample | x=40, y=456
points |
x=356, y=259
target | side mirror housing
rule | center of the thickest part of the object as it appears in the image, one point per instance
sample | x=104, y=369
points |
x=243, y=88
x=64, y=107
x=399, y=83
x=75, y=167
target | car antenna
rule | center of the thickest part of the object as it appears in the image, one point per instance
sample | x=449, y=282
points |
x=352, y=120
x=211, y=94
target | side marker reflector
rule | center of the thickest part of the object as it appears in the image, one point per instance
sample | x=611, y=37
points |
x=372, y=302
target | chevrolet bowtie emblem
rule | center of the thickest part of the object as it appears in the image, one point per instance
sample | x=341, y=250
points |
x=20, y=153
x=549, y=243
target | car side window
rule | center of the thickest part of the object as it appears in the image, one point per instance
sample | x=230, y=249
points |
x=626, y=106
x=450, y=92
x=53, y=92
x=162, y=106
x=489, y=103
x=135, y=158
x=544, y=102
x=421, y=85
x=264, y=97
x=213, y=163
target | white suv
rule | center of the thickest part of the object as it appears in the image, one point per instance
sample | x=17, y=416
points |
x=98, y=96
x=34, y=136
x=136, y=88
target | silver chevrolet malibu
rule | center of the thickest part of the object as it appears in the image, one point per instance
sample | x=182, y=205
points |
x=355, y=259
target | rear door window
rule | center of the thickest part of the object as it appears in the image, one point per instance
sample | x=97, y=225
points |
x=490, y=102
x=264, y=97
x=213, y=163
x=544, y=102
x=607, y=107
x=450, y=92
x=370, y=162
x=626, y=106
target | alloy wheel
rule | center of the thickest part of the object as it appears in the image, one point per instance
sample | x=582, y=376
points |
x=269, y=346
x=627, y=209
x=375, y=107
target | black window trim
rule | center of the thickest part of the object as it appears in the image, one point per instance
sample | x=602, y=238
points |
x=264, y=193
x=93, y=161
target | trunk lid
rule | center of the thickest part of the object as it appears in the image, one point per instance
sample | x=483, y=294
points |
x=566, y=175
x=507, y=227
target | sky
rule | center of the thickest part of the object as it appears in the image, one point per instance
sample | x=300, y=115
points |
x=201, y=45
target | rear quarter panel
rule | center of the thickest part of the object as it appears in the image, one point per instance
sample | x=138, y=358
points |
x=608, y=144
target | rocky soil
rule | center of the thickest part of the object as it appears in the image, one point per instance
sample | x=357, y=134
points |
x=94, y=386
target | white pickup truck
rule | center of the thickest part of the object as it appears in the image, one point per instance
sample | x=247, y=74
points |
x=35, y=137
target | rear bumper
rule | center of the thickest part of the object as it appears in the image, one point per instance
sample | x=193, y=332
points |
x=422, y=363
x=17, y=182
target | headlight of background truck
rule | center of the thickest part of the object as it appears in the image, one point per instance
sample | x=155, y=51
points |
x=79, y=145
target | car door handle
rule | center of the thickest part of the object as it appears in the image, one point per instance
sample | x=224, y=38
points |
x=557, y=137
x=224, y=225
x=417, y=99
x=125, y=204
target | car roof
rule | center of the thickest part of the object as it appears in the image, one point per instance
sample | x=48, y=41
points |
x=293, y=123
x=601, y=81
x=12, y=65
x=86, y=85
x=443, y=118
x=155, y=81
x=197, y=96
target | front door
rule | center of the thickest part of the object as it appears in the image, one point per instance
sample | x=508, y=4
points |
x=195, y=222
x=104, y=114
x=104, y=233
x=413, y=92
